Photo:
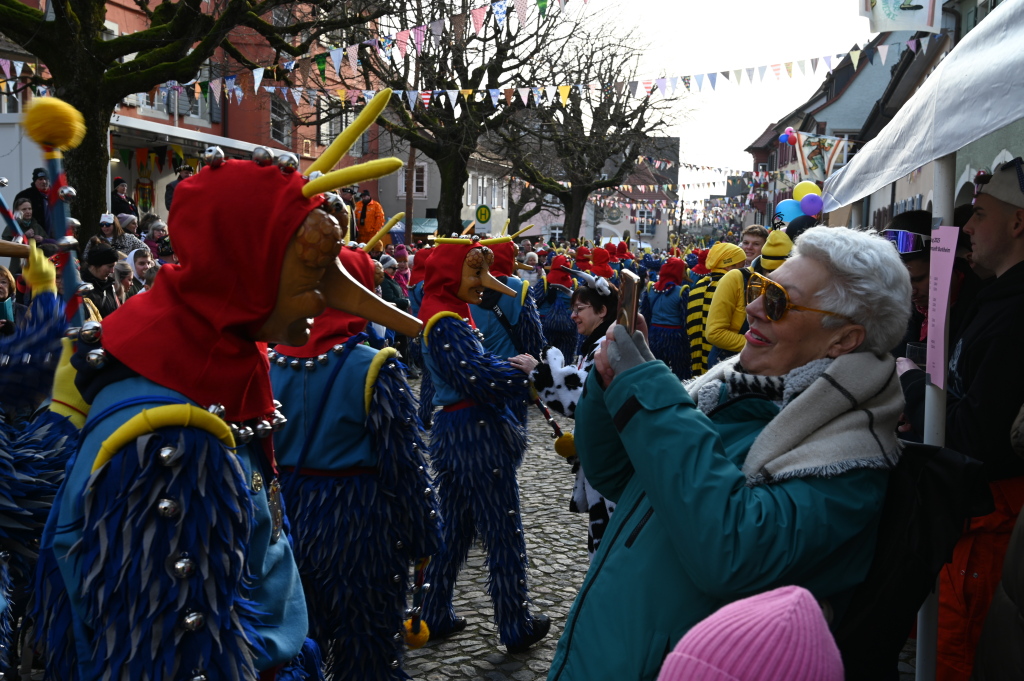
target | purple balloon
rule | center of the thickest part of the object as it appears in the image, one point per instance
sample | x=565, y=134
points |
x=811, y=204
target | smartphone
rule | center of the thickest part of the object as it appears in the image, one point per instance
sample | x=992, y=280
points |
x=629, y=297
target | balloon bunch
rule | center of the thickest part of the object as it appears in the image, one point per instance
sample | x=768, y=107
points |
x=806, y=201
x=788, y=137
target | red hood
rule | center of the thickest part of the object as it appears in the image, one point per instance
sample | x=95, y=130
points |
x=672, y=271
x=557, y=275
x=443, y=279
x=193, y=333
x=612, y=251
x=504, y=258
x=419, y=266
x=335, y=326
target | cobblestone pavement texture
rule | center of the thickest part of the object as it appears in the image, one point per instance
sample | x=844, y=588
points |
x=556, y=542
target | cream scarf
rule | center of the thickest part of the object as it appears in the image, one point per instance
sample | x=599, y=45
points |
x=837, y=415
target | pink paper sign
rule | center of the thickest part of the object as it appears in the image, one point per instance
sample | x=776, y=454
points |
x=943, y=247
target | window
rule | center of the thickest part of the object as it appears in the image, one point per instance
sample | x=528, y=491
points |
x=280, y=120
x=646, y=222
x=10, y=103
x=556, y=233
x=504, y=195
x=480, y=190
x=419, y=182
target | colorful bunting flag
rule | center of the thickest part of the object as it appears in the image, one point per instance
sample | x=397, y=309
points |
x=402, y=41
x=542, y=5
x=498, y=7
x=563, y=92
x=418, y=35
x=712, y=77
x=6, y=65
x=257, y=78
x=436, y=29
x=700, y=81
x=855, y=58
x=521, y=11
x=297, y=95
x=762, y=70
x=789, y=69
x=828, y=62
x=478, y=15
x=321, y=65
x=353, y=59
x=883, y=52
x=425, y=97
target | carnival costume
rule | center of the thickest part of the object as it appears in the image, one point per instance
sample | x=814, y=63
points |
x=552, y=294
x=167, y=554
x=476, y=447
x=664, y=305
x=559, y=385
x=426, y=402
x=361, y=503
x=720, y=257
x=510, y=324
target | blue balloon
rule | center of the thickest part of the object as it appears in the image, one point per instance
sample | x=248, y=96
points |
x=790, y=210
x=783, y=138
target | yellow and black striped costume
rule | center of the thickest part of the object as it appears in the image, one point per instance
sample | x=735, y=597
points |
x=696, y=320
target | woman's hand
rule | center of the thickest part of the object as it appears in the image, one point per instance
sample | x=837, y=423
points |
x=525, y=363
x=903, y=365
x=620, y=352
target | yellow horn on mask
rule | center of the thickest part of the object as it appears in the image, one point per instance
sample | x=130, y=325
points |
x=383, y=230
x=362, y=172
x=343, y=142
x=524, y=229
x=488, y=281
x=342, y=292
x=504, y=230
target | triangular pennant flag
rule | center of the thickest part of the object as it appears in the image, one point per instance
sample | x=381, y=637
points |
x=425, y=97
x=402, y=41
x=353, y=60
x=412, y=96
x=700, y=81
x=712, y=77
x=453, y=96
x=524, y=94
x=257, y=78
x=510, y=92
x=814, y=66
x=883, y=52
x=750, y=75
x=789, y=69
x=5, y=64
x=536, y=95
x=619, y=86
x=521, y=6
x=197, y=91
x=855, y=58
x=418, y=34
x=499, y=9
x=215, y=88
x=368, y=95
x=542, y=5
x=239, y=94
x=494, y=97
x=336, y=60
x=803, y=67
x=563, y=92
x=762, y=70
x=550, y=91
x=204, y=87
x=436, y=29
x=662, y=84
x=297, y=94
x=686, y=82
x=478, y=15
x=19, y=66
x=459, y=27
x=289, y=65
x=321, y=65
x=828, y=62
x=467, y=95
x=341, y=93
x=924, y=45
x=632, y=87
x=675, y=82
x=912, y=44
x=266, y=88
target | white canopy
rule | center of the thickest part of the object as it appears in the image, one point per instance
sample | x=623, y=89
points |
x=977, y=89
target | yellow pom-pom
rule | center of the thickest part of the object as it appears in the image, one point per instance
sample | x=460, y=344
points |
x=418, y=639
x=53, y=122
x=566, y=446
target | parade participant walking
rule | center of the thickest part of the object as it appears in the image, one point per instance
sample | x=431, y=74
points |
x=191, y=559
x=360, y=458
x=553, y=295
x=770, y=470
x=559, y=385
x=665, y=305
x=510, y=324
x=476, y=448
x=720, y=259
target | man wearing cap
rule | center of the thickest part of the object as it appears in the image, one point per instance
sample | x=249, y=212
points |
x=184, y=171
x=36, y=193
x=120, y=202
x=369, y=219
x=985, y=385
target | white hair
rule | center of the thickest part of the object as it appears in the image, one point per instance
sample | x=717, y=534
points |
x=868, y=283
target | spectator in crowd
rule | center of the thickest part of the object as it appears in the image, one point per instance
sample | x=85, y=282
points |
x=125, y=286
x=401, y=255
x=378, y=278
x=727, y=316
x=752, y=240
x=780, y=635
x=150, y=277
x=369, y=219
x=120, y=202
x=11, y=312
x=23, y=214
x=184, y=171
x=129, y=224
x=140, y=260
x=911, y=231
x=534, y=274
x=36, y=193
x=157, y=230
x=722, y=258
x=165, y=252
x=98, y=272
x=985, y=388
x=768, y=471
x=112, y=234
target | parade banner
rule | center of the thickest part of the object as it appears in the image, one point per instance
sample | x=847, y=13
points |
x=943, y=247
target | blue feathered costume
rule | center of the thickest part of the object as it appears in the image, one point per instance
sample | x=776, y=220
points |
x=476, y=448
x=553, y=294
x=362, y=508
x=664, y=306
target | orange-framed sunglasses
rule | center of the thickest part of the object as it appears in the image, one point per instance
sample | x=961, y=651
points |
x=776, y=300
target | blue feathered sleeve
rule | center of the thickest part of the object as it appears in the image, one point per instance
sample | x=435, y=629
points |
x=478, y=375
x=529, y=333
x=402, y=469
x=161, y=561
x=29, y=357
x=538, y=291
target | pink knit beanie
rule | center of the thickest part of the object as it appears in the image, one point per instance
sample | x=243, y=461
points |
x=780, y=635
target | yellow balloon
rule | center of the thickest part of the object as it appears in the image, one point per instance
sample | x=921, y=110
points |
x=804, y=188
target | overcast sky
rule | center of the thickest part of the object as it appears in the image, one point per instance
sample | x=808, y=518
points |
x=687, y=37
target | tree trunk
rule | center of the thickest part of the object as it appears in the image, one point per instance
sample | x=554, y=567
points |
x=454, y=175
x=574, y=203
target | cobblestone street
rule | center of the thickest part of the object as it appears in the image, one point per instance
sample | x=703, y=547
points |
x=557, y=546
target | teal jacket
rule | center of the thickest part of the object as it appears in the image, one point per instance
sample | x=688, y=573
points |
x=689, y=535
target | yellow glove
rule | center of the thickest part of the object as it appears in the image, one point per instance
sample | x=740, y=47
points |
x=67, y=401
x=39, y=272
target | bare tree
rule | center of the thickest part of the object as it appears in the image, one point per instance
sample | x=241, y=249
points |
x=588, y=139
x=526, y=202
x=502, y=55
x=94, y=70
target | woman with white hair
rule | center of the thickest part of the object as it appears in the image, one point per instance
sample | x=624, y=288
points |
x=769, y=470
